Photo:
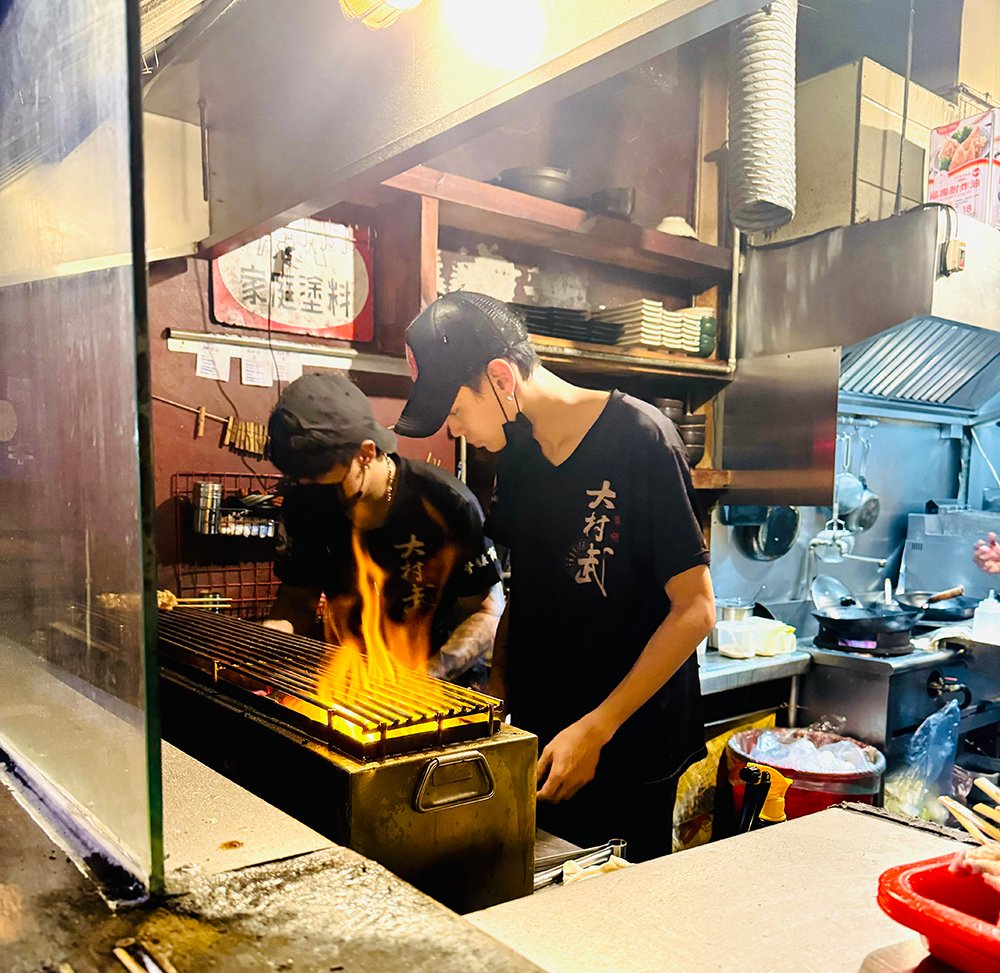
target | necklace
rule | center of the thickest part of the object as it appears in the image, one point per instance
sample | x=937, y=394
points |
x=390, y=484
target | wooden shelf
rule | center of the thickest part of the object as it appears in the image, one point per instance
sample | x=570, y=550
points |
x=494, y=211
x=609, y=359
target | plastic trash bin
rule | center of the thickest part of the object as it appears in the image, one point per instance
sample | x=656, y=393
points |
x=810, y=791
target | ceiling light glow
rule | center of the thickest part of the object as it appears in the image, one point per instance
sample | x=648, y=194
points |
x=506, y=34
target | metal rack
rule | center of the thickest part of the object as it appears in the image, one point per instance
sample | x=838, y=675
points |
x=237, y=568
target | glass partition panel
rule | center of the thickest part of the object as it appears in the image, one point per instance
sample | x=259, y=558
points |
x=74, y=685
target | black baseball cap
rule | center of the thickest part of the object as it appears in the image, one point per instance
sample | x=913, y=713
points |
x=449, y=343
x=317, y=416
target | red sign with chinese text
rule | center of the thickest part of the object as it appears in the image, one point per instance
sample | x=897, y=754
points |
x=310, y=277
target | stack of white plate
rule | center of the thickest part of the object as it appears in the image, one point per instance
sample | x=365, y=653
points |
x=674, y=331
x=690, y=330
x=699, y=330
x=640, y=322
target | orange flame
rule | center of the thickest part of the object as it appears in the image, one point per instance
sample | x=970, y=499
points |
x=371, y=662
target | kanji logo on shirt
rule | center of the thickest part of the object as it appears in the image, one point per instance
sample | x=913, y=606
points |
x=605, y=494
x=592, y=554
x=413, y=557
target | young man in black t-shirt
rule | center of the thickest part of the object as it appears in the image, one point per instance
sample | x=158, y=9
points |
x=421, y=527
x=610, y=590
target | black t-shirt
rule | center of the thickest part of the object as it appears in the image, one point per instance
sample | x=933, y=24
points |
x=593, y=541
x=431, y=548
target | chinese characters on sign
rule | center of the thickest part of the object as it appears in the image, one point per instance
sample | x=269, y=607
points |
x=600, y=536
x=311, y=277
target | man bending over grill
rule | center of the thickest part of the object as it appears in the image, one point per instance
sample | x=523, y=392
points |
x=417, y=530
x=610, y=590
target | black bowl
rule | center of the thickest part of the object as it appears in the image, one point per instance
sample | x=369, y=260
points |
x=618, y=202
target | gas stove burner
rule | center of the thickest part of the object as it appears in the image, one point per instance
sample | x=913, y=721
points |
x=881, y=644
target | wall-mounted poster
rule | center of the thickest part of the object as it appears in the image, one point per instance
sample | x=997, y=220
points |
x=310, y=277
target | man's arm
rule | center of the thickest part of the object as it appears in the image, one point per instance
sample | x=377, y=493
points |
x=473, y=636
x=294, y=609
x=497, y=684
x=570, y=759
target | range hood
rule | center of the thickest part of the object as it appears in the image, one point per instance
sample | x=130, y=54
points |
x=928, y=362
x=859, y=318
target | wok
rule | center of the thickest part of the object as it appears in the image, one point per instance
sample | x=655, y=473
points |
x=957, y=608
x=855, y=621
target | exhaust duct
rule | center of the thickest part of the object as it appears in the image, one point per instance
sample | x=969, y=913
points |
x=761, y=169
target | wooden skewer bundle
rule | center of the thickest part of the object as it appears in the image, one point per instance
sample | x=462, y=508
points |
x=243, y=436
x=240, y=435
x=981, y=820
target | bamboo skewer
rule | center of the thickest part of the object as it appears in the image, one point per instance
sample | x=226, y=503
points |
x=989, y=789
x=979, y=828
x=985, y=811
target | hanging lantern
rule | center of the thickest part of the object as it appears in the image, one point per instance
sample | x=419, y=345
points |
x=376, y=14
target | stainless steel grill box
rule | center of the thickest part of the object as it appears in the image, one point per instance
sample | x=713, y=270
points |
x=429, y=782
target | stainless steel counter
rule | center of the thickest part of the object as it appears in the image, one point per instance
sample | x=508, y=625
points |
x=719, y=673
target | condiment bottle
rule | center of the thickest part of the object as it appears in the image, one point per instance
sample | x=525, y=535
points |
x=986, y=620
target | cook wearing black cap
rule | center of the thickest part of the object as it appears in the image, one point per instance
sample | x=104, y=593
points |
x=416, y=522
x=610, y=590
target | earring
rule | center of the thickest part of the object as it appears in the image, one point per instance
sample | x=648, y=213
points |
x=510, y=398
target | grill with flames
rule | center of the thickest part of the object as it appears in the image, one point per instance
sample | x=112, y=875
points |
x=374, y=715
x=418, y=774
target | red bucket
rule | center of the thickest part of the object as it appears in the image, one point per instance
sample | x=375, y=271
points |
x=810, y=791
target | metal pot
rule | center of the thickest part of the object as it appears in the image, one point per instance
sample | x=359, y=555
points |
x=546, y=182
x=848, y=492
x=732, y=609
x=847, y=488
x=864, y=515
x=728, y=610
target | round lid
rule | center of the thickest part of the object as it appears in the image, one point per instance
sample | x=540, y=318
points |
x=828, y=592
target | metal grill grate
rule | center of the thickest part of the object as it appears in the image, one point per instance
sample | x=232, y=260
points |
x=279, y=673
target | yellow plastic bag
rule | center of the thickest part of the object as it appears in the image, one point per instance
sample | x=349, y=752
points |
x=696, y=790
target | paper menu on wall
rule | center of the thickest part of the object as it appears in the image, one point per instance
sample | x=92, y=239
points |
x=288, y=366
x=257, y=367
x=213, y=363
